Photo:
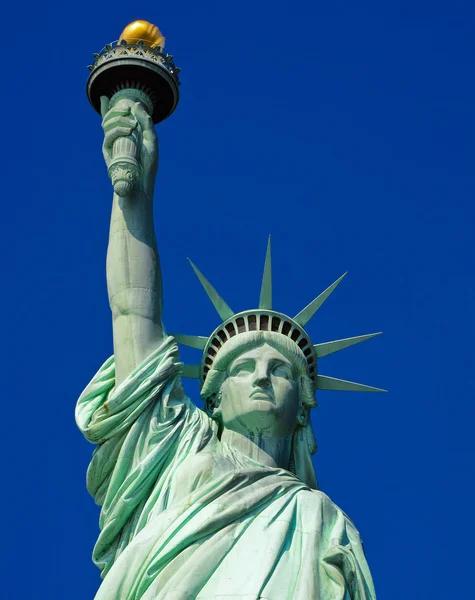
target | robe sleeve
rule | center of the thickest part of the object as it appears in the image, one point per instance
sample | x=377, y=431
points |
x=143, y=428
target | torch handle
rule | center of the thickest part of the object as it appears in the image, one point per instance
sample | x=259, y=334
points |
x=124, y=169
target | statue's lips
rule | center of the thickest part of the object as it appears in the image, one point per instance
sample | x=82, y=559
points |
x=262, y=395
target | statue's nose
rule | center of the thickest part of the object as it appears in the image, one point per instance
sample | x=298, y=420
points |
x=263, y=382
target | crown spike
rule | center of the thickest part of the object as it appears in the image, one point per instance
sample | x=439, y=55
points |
x=220, y=305
x=331, y=347
x=265, y=300
x=193, y=341
x=191, y=371
x=331, y=383
x=307, y=313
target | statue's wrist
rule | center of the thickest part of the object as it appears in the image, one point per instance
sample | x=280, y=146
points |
x=146, y=186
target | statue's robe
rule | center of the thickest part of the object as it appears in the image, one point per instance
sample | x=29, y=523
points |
x=185, y=516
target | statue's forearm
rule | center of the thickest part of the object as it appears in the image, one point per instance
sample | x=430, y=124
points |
x=134, y=282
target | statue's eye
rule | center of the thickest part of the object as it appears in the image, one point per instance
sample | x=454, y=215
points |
x=282, y=371
x=242, y=369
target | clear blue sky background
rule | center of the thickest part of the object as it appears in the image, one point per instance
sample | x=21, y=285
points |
x=345, y=129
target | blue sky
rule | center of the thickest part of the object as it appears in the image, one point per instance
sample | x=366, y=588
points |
x=344, y=129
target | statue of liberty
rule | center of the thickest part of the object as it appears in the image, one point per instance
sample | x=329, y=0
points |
x=219, y=503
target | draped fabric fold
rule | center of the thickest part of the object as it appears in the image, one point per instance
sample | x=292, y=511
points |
x=184, y=516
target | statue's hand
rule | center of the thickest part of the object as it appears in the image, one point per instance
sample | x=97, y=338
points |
x=121, y=121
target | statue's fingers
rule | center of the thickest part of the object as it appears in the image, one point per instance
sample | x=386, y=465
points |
x=115, y=112
x=142, y=116
x=119, y=121
x=116, y=133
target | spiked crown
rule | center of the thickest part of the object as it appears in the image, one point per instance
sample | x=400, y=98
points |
x=265, y=318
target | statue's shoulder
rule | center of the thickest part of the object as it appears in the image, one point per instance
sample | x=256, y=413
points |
x=324, y=505
x=323, y=498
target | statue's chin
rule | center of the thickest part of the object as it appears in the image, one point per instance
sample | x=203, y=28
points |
x=262, y=420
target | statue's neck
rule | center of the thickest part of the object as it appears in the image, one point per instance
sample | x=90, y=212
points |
x=267, y=451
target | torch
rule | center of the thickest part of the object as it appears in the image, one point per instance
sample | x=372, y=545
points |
x=134, y=69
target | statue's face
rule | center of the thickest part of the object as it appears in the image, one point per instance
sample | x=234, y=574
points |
x=260, y=395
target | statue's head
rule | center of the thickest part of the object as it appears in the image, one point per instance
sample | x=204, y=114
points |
x=260, y=394
x=259, y=385
x=259, y=371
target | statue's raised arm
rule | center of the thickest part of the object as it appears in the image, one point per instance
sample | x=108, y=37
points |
x=133, y=265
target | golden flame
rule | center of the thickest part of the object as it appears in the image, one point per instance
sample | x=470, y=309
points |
x=143, y=30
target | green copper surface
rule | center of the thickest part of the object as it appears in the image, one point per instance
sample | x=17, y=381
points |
x=307, y=313
x=265, y=300
x=326, y=348
x=220, y=305
x=332, y=383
